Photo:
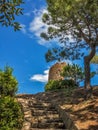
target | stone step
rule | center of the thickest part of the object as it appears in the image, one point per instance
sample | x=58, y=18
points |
x=39, y=101
x=50, y=118
x=41, y=109
x=31, y=103
x=54, y=120
x=44, y=105
x=38, y=106
x=48, y=125
x=47, y=129
x=42, y=112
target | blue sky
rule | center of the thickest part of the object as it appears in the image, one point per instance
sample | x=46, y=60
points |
x=24, y=50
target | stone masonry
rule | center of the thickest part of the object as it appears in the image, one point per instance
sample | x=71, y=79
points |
x=55, y=71
x=44, y=111
x=40, y=113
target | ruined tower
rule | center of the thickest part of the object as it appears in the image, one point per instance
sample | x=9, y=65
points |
x=55, y=71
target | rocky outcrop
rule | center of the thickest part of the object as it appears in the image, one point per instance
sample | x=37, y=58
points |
x=55, y=71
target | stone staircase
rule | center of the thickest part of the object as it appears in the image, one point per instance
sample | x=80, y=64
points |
x=40, y=113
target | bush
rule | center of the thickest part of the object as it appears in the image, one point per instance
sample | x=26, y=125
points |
x=60, y=84
x=8, y=83
x=52, y=85
x=11, y=116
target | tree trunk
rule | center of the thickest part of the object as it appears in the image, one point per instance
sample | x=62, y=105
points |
x=87, y=59
x=87, y=72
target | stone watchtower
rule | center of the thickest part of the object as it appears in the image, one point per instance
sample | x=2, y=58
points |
x=55, y=71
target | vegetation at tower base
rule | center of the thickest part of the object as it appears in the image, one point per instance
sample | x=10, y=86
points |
x=75, y=24
x=56, y=85
x=9, y=9
x=75, y=72
x=11, y=115
x=8, y=83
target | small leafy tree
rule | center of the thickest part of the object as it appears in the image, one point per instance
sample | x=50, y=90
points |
x=9, y=9
x=73, y=72
x=8, y=83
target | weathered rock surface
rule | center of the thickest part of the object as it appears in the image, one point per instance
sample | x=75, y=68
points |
x=40, y=113
x=55, y=71
x=55, y=110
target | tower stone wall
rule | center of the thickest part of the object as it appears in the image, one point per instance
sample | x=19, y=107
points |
x=55, y=71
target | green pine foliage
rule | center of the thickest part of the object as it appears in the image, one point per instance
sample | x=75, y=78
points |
x=11, y=116
x=8, y=83
x=9, y=9
x=74, y=72
x=75, y=25
x=53, y=85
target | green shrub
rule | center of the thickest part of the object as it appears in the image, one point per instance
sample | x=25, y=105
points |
x=52, y=85
x=8, y=83
x=68, y=84
x=60, y=84
x=11, y=116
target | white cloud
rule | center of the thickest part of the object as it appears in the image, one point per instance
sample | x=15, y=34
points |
x=40, y=77
x=37, y=26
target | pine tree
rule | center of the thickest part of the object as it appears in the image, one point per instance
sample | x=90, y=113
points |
x=75, y=24
x=9, y=9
